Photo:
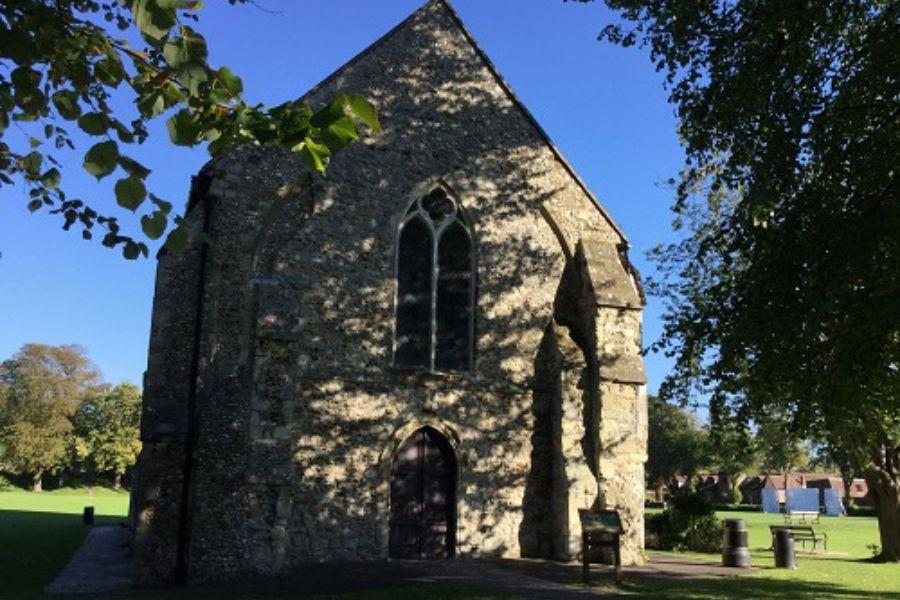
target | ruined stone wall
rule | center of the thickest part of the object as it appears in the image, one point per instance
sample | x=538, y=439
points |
x=298, y=409
x=159, y=475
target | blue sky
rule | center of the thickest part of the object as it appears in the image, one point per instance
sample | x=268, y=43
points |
x=604, y=107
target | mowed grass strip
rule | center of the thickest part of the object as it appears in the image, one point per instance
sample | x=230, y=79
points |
x=39, y=532
x=844, y=571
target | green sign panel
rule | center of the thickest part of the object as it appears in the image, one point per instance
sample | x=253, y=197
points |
x=601, y=520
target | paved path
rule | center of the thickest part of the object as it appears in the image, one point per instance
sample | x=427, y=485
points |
x=102, y=565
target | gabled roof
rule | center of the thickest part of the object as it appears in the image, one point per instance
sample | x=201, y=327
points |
x=500, y=81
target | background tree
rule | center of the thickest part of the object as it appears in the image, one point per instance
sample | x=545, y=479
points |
x=778, y=449
x=42, y=387
x=62, y=60
x=783, y=292
x=675, y=445
x=732, y=452
x=832, y=458
x=106, y=430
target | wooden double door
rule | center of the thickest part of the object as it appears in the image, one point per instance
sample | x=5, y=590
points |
x=423, y=497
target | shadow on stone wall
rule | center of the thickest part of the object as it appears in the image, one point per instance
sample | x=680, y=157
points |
x=297, y=322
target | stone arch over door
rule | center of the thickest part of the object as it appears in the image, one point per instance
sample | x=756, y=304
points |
x=423, y=497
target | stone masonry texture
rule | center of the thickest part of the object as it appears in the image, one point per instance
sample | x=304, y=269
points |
x=272, y=409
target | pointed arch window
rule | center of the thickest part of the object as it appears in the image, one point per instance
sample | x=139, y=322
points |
x=435, y=286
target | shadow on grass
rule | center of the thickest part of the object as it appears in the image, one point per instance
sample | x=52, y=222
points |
x=669, y=585
x=749, y=587
x=35, y=546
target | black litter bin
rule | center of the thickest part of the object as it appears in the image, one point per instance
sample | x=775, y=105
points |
x=734, y=544
x=87, y=517
x=785, y=557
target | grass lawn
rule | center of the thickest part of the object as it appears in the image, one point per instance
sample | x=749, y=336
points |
x=842, y=572
x=39, y=532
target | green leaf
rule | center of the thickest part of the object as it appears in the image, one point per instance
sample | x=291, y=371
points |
x=189, y=48
x=230, y=81
x=172, y=94
x=31, y=164
x=180, y=4
x=34, y=205
x=66, y=103
x=133, y=167
x=177, y=240
x=153, y=20
x=314, y=155
x=25, y=116
x=51, y=178
x=365, y=111
x=340, y=133
x=151, y=104
x=183, y=128
x=27, y=95
x=165, y=207
x=101, y=159
x=109, y=71
x=193, y=76
x=131, y=250
x=154, y=225
x=331, y=113
x=125, y=134
x=130, y=192
x=219, y=144
x=93, y=123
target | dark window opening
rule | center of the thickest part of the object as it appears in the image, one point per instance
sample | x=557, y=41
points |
x=454, y=296
x=414, y=275
x=438, y=205
x=435, y=286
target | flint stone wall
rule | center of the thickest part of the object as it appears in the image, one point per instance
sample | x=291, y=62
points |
x=287, y=319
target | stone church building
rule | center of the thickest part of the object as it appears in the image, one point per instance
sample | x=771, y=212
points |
x=434, y=350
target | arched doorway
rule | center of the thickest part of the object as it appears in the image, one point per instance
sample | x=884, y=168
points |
x=423, y=497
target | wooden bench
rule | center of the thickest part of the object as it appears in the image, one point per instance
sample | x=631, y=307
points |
x=803, y=516
x=803, y=534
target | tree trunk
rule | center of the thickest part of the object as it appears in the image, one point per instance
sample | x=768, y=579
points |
x=37, y=482
x=724, y=486
x=117, y=484
x=884, y=484
x=847, y=497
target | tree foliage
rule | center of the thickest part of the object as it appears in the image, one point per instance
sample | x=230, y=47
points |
x=732, y=451
x=676, y=445
x=783, y=292
x=106, y=424
x=778, y=448
x=61, y=61
x=42, y=386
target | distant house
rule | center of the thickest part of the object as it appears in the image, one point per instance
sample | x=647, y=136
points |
x=859, y=493
x=751, y=488
x=781, y=483
x=707, y=482
x=859, y=490
x=825, y=482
